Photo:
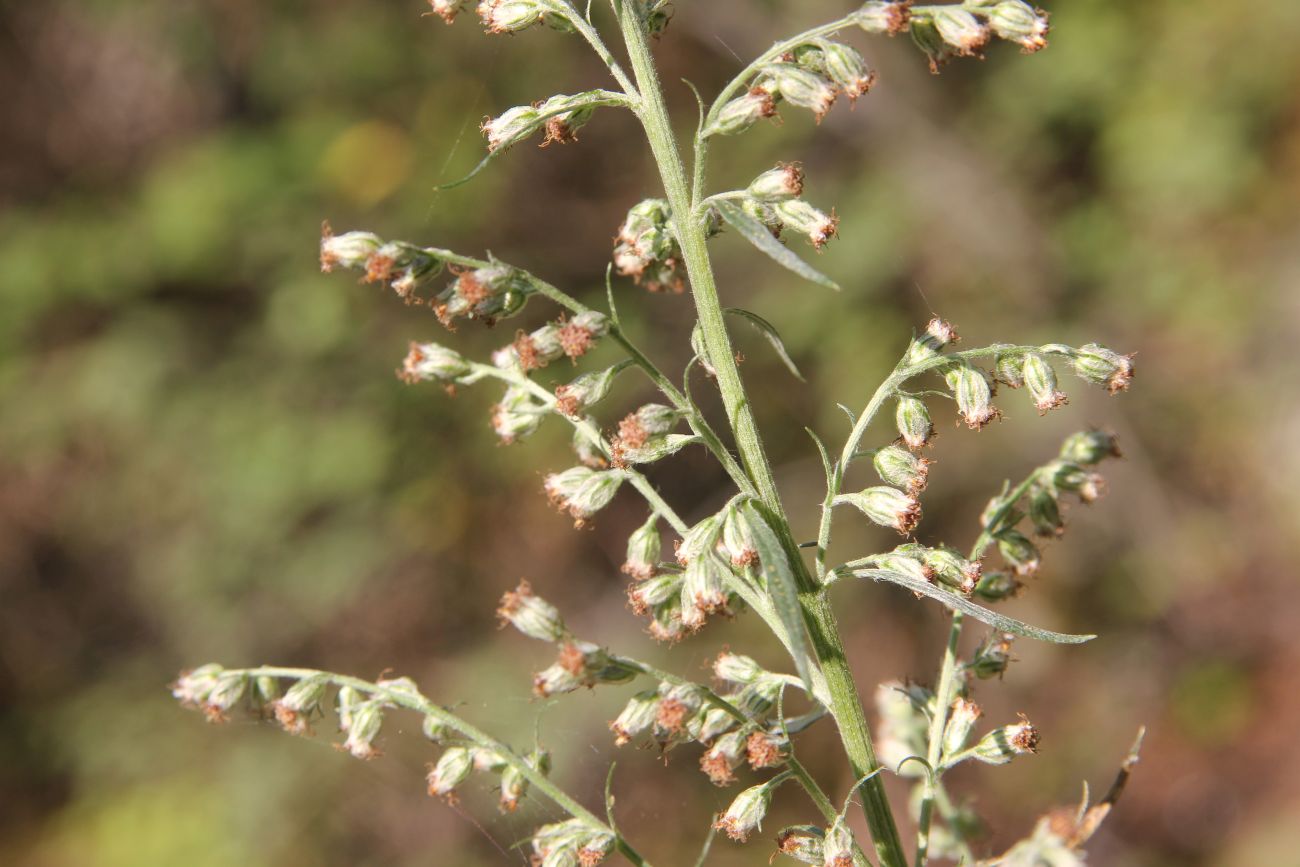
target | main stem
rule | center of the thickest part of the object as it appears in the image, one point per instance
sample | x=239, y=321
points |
x=845, y=704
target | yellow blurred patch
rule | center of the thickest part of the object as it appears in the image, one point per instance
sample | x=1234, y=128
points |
x=368, y=162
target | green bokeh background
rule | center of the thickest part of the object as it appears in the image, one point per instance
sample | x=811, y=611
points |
x=204, y=455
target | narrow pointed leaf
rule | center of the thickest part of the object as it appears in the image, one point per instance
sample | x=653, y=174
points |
x=965, y=606
x=783, y=590
x=768, y=330
x=757, y=234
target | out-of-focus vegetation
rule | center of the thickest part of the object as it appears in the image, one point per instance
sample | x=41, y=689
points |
x=203, y=453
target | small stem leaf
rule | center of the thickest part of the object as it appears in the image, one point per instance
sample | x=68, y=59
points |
x=757, y=234
x=853, y=416
x=783, y=589
x=965, y=606
x=825, y=456
x=769, y=331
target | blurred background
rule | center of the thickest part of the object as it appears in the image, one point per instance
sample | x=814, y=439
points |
x=204, y=455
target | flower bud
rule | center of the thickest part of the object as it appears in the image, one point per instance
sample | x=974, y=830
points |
x=531, y=615
x=992, y=656
x=1090, y=448
x=778, y=184
x=804, y=88
x=953, y=569
x=447, y=10
x=997, y=586
x=927, y=345
x=266, y=690
x=803, y=843
x=666, y=622
x=225, y=694
x=913, y=420
x=513, y=783
x=556, y=679
x=801, y=217
x=426, y=361
x=883, y=17
x=746, y=813
x=723, y=757
x=453, y=768
x=703, y=592
x=646, y=250
x=582, y=491
x=714, y=722
x=511, y=127
x=1045, y=513
x=580, y=395
x=837, y=848
x=1008, y=369
x=736, y=541
x=961, y=720
x=1071, y=477
x=902, y=469
x=1017, y=21
x=1002, y=745
x=757, y=699
x=960, y=29
x=737, y=669
x=677, y=705
x=637, y=716
x=743, y=112
x=1102, y=366
x=700, y=539
x=926, y=36
x=511, y=16
x=367, y=719
x=970, y=387
x=1018, y=551
x=643, y=550
x=905, y=560
x=765, y=749
x=848, y=69
x=488, y=293
x=888, y=507
x=299, y=702
x=595, y=847
x=349, y=250
x=517, y=416
x=763, y=213
x=654, y=591
x=587, y=452
x=192, y=688
x=1040, y=379
x=346, y=703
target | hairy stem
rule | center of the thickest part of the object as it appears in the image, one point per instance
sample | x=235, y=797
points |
x=845, y=704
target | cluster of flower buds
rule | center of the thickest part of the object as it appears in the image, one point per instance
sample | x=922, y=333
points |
x=511, y=16
x=490, y=293
x=936, y=565
x=646, y=250
x=772, y=199
x=572, y=843
x=948, y=31
x=212, y=690
x=676, y=714
x=560, y=117
x=886, y=506
x=811, y=75
x=578, y=664
x=570, y=338
x=904, y=711
x=582, y=491
x=406, y=268
x=458, y=762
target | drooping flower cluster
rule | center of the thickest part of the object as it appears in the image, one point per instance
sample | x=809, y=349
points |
x=646, y=250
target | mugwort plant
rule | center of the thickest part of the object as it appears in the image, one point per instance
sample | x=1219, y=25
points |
x=745, y=557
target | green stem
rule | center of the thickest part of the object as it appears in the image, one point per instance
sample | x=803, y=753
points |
x=418, y=703
x=845, y=704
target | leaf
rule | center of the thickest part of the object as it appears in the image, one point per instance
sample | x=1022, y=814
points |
x=757, y=234
x=853, y=418
x=965, y=606
x=782, y=589
x=825, y=456
x=769, y=331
